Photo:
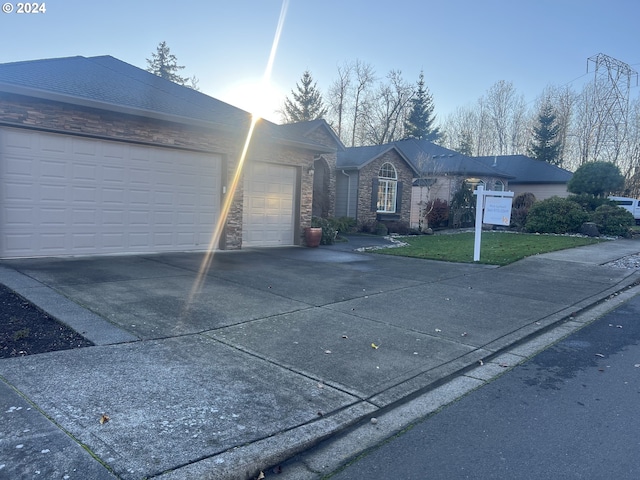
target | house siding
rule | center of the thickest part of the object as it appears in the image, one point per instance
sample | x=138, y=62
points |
x=347, y=193
x=541, y=191
x=25, y=112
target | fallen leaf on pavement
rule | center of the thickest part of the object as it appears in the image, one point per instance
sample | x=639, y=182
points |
x=260, y=476
x=374, y=346
x=104, y=419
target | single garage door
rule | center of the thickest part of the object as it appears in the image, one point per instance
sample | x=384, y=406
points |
x=269, y=198
x=65, y=195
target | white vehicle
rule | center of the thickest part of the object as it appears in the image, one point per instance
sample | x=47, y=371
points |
x=631, y=204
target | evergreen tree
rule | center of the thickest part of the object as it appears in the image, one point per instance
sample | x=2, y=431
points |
x=466, y=144
x=546, y=145
x=596, y=178
x=307, y=102
x=420, y=123
x=164, y=64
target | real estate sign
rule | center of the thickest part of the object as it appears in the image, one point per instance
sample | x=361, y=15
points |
x=492, y=207
x=497, y=211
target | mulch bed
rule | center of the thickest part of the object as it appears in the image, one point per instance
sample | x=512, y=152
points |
x=27, y=330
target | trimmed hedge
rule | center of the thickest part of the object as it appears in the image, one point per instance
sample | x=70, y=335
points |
x=613, y=220
x=555, y=215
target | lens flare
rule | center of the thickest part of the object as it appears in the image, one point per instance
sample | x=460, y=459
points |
x=231, y=190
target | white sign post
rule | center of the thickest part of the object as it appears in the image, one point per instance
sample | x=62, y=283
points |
x=495, y=208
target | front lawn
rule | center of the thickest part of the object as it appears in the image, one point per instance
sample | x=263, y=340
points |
x=497, y=248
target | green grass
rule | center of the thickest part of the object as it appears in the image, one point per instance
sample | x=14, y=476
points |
x=496, y=248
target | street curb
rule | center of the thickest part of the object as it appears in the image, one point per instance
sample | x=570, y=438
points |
x=329, y=454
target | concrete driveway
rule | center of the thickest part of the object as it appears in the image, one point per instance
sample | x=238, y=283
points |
x=273, y=349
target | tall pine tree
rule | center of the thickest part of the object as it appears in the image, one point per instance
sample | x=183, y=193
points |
x=420, y=123
x=164, y=64
x=307, y=103
x=546, y=145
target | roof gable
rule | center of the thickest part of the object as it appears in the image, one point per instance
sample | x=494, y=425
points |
x=308, y=128
x=359, y=157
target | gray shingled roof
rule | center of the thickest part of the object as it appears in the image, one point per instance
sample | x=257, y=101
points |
x=446, y=161
x=525, y=169
x=107, y=83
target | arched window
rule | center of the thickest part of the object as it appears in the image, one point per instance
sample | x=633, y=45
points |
x=498, y=186
x=475, y=183
x=387, y=188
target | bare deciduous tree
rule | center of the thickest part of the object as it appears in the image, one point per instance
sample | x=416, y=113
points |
x=339, y=97
x=365, y=76
x=384, y=119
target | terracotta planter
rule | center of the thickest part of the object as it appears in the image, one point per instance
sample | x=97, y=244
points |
x=312, y=236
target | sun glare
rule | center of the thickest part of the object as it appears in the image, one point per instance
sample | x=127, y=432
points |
x=257, y=111
x=261, y=99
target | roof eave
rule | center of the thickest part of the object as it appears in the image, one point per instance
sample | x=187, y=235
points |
x=111, y=107
x=116, y=108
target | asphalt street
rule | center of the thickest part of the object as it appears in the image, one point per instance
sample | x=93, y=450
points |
x=570, y=412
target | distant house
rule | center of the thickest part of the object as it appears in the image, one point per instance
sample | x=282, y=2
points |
x=100, y=157
x=372, y=182
x=530, y=175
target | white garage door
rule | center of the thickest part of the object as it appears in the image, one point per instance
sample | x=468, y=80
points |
x=65, y=195
x=269, y=199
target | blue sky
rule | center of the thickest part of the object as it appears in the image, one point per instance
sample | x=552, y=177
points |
x=463, y=46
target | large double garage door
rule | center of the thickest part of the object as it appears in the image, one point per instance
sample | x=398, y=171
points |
x=66, y=195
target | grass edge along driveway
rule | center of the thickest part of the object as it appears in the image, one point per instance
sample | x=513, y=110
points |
x=496, y=248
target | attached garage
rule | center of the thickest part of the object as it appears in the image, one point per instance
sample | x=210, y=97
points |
x=100, y=157
x=269, y=205
x=69, y=195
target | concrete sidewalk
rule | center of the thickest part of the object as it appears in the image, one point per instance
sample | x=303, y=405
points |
x=274, y=351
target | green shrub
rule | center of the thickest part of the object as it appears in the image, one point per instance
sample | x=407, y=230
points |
x=588, y=202
x=398, y=226
x=463, y=207
x=381, y=229
x=329, y=231
x=555, y=215
x=344, y=224
x=612, y=220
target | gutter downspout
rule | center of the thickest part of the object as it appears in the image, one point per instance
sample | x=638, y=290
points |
x=348, y=190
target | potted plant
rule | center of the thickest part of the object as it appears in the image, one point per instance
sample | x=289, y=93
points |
x=312, y=235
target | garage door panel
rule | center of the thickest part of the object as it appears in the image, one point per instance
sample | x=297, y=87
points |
x=51, y=170
x=61, y=195
x=268, y=213
x=51, y=193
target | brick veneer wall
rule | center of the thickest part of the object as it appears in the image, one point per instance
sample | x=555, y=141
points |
x=323, y=137
x=405, y=175
x=20, y=111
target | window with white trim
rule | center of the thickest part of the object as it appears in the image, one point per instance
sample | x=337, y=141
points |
x=499, y=186
x=387, y=188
